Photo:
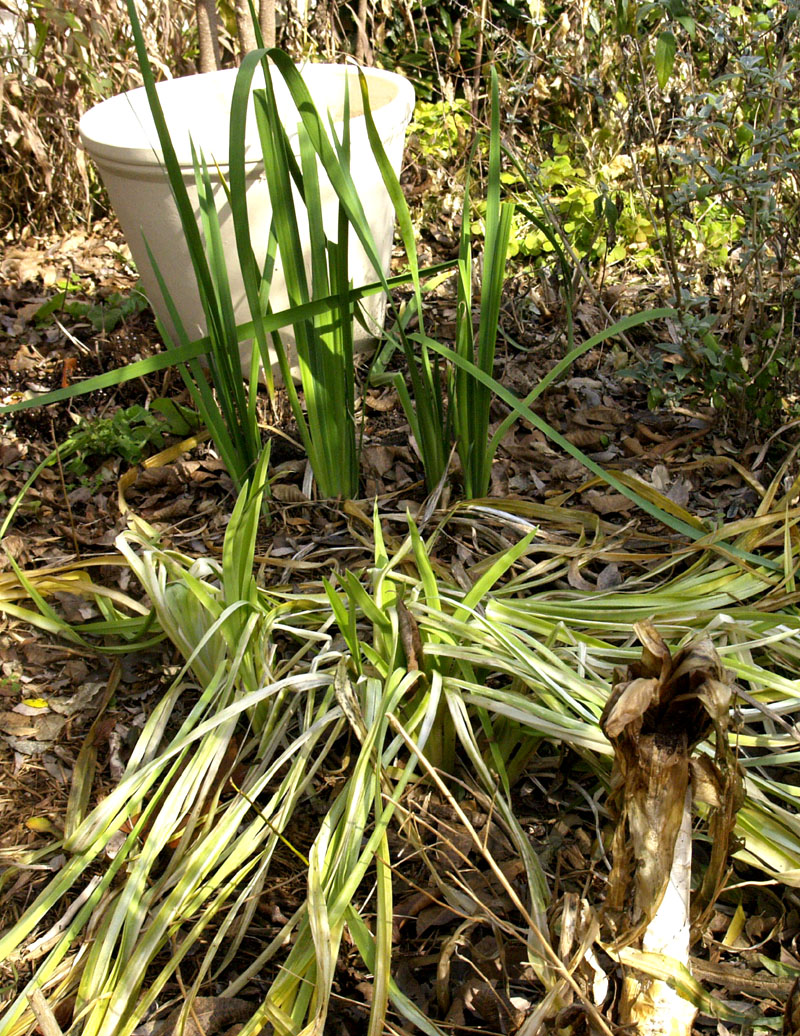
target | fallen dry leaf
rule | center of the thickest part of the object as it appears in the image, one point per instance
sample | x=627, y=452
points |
x=608, y=503
x=658, y=711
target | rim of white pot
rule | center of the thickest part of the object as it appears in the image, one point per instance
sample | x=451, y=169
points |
x=121, y=129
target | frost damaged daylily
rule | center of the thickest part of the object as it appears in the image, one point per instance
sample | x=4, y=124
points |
x=658, y=713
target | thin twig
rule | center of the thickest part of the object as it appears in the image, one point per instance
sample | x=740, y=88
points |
x=64, y=491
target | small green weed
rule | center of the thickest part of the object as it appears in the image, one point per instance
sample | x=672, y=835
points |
x=103, y=316
x=11, y=683
x=127, y=434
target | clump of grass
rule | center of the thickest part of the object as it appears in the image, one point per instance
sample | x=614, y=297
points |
x=499, y=672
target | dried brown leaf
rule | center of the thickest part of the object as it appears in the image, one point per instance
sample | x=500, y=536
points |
x=600, y=417
x=706, y=786
x=627, y=704
x=38, y=728
x=287, y=493
x=409, y=637
x=608, y=503
x=377, y=460
x=609, y=577
x=659, y=709
x=207, y=1016
x=574, y=577
x=586, y=437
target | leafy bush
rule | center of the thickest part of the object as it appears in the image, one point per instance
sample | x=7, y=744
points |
x=665, y=135
x=439, y=129
x=720, y=171
x=60, y=60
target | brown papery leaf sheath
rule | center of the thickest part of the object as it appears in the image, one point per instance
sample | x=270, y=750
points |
x=660, y=708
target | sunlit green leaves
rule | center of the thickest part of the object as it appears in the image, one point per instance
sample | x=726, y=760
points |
x=666, y=46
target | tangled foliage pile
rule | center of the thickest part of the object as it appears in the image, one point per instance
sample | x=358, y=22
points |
x=663, y=142
x=57, y=60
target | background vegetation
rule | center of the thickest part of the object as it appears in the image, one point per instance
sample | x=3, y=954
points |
x=657, y=141
x=648, y=158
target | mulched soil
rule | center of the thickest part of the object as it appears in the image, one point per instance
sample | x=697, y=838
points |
x=90, y=699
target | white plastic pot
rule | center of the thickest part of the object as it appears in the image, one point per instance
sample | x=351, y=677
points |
x=120, y=136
